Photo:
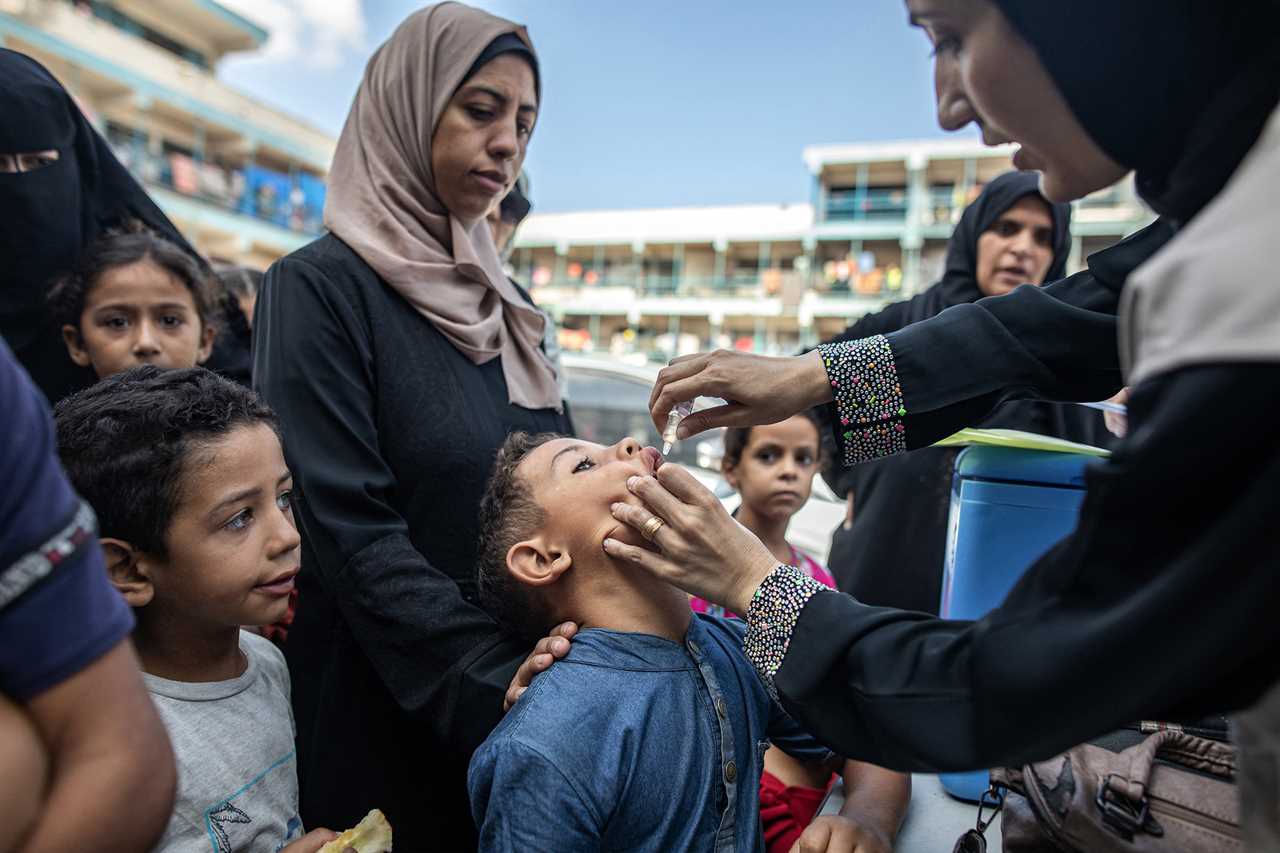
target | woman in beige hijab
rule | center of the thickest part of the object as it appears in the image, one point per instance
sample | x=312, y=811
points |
x=398, y=357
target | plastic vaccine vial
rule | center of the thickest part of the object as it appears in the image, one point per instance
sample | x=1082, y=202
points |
x=674, y=417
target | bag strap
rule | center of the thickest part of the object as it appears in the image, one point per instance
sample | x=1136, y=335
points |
x=1133, y=766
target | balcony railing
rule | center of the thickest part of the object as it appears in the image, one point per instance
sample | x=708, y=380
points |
x=788, y=285
x=871, y=204
x=295, y=202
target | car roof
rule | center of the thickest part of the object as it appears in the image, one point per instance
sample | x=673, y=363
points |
x=646, y=373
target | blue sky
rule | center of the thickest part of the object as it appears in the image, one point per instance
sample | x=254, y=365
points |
x=651, y=103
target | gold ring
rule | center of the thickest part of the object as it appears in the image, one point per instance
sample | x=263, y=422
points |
x=650, y=528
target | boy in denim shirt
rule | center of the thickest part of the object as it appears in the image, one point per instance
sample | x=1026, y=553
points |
x=650, y=734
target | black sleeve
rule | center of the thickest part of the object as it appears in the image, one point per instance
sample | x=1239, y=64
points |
x=1161, y=604
x=439, y=656
x=1056, y=342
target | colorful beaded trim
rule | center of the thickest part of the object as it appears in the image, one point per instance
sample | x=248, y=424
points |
x=771, y=619
x=864, y=382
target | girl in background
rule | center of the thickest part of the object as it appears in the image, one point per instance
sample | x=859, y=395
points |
x=134, y=298
x=772, y=468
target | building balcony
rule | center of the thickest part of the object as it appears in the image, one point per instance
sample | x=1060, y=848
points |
x=293, y=203
x=113, y=71
x=786, y=294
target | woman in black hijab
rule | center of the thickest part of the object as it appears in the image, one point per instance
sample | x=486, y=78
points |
x=74, y=190
x=1162, y=603
x=890, y=550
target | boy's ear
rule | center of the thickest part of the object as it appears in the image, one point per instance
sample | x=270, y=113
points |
x=128, y=571
x=75, y=345
x=535, y=563
x=206, y=343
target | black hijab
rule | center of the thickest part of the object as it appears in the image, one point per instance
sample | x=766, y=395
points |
x=959, y=282
x=1177, y=90
x=52, y=213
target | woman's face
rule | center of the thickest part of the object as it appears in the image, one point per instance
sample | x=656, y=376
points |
x=1017, y=248
x=481, y=138
x=984, y=72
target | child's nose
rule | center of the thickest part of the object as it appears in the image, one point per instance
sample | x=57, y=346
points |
x=145, y=343
x=627, y=448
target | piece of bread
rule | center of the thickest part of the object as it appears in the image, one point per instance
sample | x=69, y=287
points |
x=371, y=835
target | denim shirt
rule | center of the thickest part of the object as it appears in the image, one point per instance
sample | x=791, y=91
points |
x=634, y=742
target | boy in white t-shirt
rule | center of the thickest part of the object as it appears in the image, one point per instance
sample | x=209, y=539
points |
x=186, y=474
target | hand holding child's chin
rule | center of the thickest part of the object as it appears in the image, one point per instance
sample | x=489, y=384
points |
x=699, y=547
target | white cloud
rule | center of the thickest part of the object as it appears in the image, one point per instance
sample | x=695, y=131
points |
x=316, y=32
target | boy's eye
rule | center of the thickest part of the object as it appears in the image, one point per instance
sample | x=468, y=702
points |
x=804, y=457
x=585, y=465
x=767, y=456
x=171, y=320
x=285, y=499
x=115, y=322
x=240, y=520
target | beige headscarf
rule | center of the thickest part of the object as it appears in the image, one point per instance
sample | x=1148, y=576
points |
x=383, y=204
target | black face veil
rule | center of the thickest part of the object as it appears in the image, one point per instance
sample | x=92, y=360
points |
x=51, y=213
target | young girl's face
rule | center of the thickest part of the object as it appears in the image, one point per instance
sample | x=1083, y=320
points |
x=137, y=314
x=775, y=474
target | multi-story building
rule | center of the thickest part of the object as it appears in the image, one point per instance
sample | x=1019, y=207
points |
x=243, y=181
x=775, y=277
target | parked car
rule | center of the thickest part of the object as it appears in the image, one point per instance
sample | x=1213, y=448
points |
x=609, y=400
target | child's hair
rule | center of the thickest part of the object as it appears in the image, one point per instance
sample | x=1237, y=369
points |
x=119, y=248
x=736, y=439
x=509, y=514
x=129, y=441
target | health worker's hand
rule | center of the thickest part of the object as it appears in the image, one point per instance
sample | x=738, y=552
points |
x=704, y=551
x=759, y=389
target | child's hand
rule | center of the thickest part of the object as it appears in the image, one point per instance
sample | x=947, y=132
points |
x=548, y=650
x=838, y=834
x=312, y=842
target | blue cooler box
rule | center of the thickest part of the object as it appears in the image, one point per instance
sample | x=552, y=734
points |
x=1008, y=507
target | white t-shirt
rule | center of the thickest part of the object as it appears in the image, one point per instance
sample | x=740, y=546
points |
x=237, y=769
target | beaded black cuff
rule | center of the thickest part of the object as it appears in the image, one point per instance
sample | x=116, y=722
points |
x=864, y=382
x=772, y=616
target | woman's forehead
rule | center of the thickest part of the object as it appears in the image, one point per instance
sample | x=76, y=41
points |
x=1029, y=208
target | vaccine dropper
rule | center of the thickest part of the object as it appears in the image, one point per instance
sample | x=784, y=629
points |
x=676, y=415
